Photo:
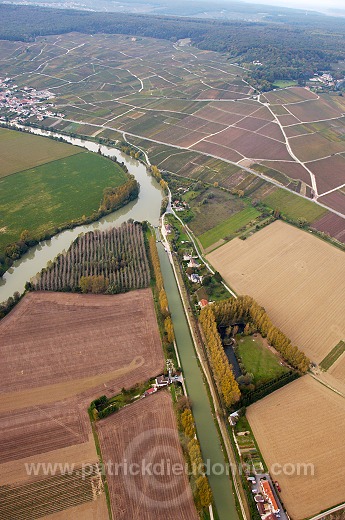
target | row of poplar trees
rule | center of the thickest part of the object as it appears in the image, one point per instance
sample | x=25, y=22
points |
x=162, y=297
x=225, y=379
x=245, y=309
x=114, y=260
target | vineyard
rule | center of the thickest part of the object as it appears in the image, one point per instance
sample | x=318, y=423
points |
x=109, y=262
x=50, y=495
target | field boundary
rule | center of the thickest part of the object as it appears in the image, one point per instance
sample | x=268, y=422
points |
x=333, y=356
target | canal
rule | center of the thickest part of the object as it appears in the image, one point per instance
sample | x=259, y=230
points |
x=146, y=207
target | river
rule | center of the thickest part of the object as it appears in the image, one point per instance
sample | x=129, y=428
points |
x=146, y=207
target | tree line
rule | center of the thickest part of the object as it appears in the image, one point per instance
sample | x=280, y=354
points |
x=109, y=261
x=223, y=374
x=199, y=482
x=246, y=310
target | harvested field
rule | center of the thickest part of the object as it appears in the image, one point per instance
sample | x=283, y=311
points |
x=298, y=278
x=272, y=130
x=260, y=147
x=312, y=147
x=289, y=168
x=337, y=370
x=314, y=436
x=314, y=110
x=289, y=95
x=287, y=120
x=49, y=495
x=69, y=349
x=332, y=224
x=45, y=428
x=14, y=472
x=146, y=432
x=67, y=337
x=95, y=510
x=252, y=123
x=217, y=150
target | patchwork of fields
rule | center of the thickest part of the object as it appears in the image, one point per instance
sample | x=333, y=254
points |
x=194, y=102
x=298, y=425
x=297, y=278
x=69, y=349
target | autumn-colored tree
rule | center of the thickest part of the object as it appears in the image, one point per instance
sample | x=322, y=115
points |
x=247, y=329
x=222, y=370
x=156, y=173
x=118, y=254
x=195, y=457
x=187, y=423
x=204, y=491
x=248, y=310
x=163, y=302
x=25, y=235
x=169, y=329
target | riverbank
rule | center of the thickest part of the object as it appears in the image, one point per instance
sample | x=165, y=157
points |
x=69, y=185
x=219, y=416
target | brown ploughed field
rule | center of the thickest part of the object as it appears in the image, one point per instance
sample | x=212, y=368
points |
x=59, y=351
x=145, y=433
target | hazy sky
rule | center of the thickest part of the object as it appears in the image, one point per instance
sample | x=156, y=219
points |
x=316, y=5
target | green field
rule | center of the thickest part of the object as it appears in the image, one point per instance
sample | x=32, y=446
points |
x=42, y=198
x=229, y=226
x=34, y=151
x=293, y=206
x=259, y=360
x=217, y=209
x=335, y=354
x=283, y=83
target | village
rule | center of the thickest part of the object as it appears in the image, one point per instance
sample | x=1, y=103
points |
x=325, y=81
x=18, y=105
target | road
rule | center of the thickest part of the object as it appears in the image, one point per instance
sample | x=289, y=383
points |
x=245, y=168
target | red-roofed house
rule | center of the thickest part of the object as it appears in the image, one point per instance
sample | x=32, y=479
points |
x=202, y=303
x=268, y=494
x=150, y=391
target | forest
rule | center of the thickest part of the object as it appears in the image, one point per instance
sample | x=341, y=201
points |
x=108, y=262
x=294, y=48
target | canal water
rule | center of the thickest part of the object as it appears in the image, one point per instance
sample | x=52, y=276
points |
x=206, y=428
x=146, y=207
